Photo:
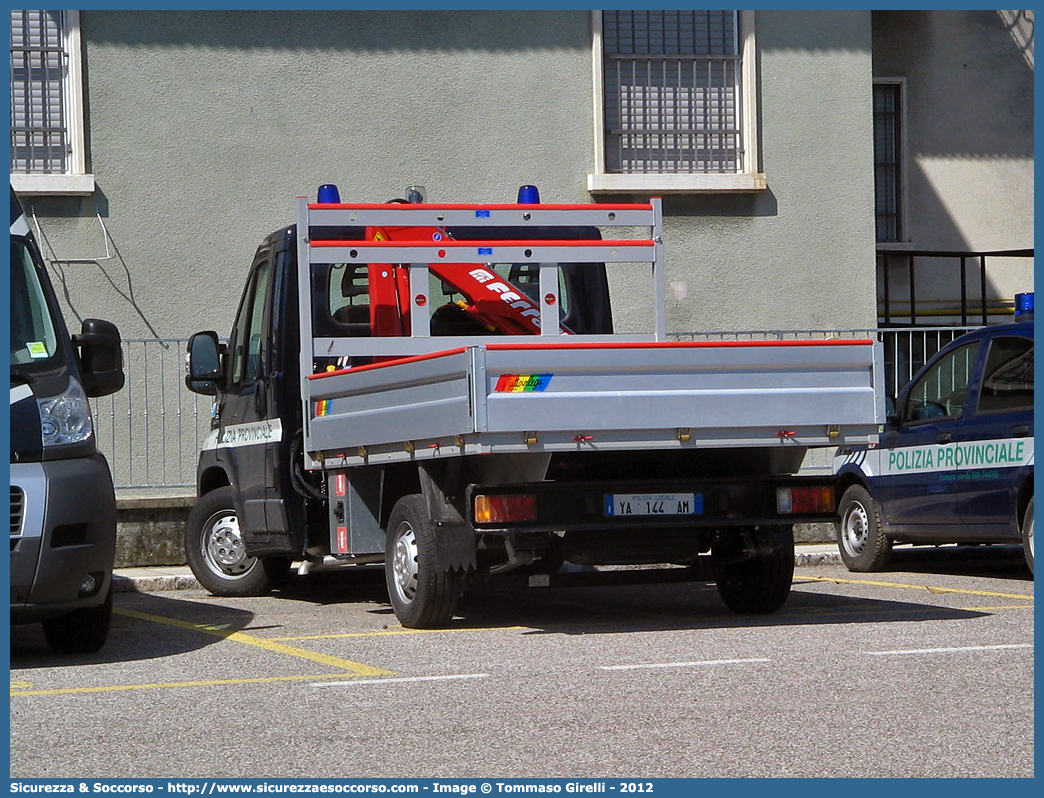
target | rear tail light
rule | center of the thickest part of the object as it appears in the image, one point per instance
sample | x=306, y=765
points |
x=505, y=509
x=798, y=501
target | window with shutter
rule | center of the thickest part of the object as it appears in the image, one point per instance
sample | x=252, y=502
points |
x=888, y=154
x=47, y=140
x=675, y=103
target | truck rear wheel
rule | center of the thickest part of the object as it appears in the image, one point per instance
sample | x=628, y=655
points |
x=422, y=595
x=82, y=631
x=1027, y=534
x=760, y=584
x=215, y=553
x=863, y=544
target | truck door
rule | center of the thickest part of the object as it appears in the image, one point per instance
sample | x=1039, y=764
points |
x=918, y=462
x=995, y=443
x=248, y=434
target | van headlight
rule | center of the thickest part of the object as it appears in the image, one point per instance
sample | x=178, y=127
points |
x=66, y=418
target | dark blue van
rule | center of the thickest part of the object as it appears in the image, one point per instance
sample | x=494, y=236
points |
x=955, y=463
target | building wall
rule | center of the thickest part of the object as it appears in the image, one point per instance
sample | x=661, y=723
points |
x=969, y=140
x=204, y=126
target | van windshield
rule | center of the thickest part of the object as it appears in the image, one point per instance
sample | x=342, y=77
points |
x=34, y=339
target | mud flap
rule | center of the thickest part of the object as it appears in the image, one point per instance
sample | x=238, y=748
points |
x=455, y=541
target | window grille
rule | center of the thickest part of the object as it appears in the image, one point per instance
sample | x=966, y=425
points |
x=887, y=160
x=39, y=125
x=672, y=101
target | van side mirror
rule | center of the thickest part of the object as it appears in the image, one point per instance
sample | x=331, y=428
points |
x=101, y=358
x=203, y=363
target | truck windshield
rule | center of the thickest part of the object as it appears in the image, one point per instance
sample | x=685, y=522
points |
x=34, y=339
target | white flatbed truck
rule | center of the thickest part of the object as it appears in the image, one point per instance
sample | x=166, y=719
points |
x=425, y=424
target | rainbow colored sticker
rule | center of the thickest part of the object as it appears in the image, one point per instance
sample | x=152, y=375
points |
x=522, y=383
x=322, y=407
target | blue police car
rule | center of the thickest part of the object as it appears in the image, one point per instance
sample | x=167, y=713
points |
x=955, y=462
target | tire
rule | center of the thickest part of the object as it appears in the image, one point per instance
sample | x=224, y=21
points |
x=863, y=544
x=1027, y=534
x=759, y=585
x=82, y=631
x=214, y=550
x=422, y=595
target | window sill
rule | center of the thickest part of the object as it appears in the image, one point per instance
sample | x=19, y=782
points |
x=601, y=183
x=53, y=185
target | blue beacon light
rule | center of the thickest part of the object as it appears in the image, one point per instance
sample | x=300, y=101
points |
x=528, y=195
x=328, y=193
x=1024, y=306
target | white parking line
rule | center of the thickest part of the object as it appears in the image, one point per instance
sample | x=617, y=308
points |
x=684, y=664
x=947, y=650
x=353, y=682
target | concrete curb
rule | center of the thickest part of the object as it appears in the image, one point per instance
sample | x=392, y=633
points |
x=153, y=584
x=810, y=558
x=159, y=580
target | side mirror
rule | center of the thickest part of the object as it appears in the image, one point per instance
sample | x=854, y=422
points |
x=101, y=358
x=203, y=363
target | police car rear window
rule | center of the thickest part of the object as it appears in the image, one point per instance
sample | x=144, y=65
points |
x=1008, y=377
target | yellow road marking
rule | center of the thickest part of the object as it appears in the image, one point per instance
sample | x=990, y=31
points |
x=16, y=685
x=356, y=668
x=1016, y=596
x=399, y=631
x=162, y=685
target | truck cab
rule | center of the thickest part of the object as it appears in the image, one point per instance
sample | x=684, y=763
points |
x=955, y=464
x=63, y=506
x=258, y=507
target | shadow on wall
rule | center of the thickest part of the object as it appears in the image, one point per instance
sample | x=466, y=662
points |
x=110, y=263
x=969, y=80
x=341, y=30
x=969, y=139
x=762, y=203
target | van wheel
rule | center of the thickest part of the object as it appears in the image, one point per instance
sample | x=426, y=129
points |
x=760, y=584
x=1027, y=534
x=82, y=631
x=214, y=550
x=422, y=595
x=863, y=544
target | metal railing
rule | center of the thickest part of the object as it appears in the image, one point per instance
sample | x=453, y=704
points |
x=905, y=349
x=152, y=430
x=897, y=272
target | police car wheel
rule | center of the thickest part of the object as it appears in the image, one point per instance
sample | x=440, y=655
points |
x=214, y=550
x=863, y=545
x=1027, y=534
x=422, y=595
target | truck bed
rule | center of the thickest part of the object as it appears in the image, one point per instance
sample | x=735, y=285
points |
x=564, y=396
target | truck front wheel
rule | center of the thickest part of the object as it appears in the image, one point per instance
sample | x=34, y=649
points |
x=422, y=595
x=215, y=553
x=863, y=544
x=757, y=584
